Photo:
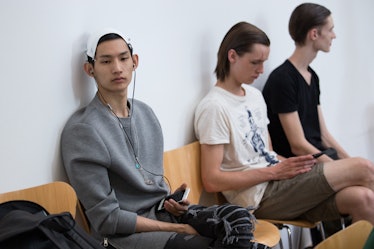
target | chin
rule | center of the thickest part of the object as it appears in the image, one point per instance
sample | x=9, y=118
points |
x=248, y=82
x=324, y=49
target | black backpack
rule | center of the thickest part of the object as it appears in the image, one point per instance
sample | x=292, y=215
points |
x=27, y=225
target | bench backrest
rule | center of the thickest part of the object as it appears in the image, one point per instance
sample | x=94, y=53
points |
x=55, y=197
x=182, y=165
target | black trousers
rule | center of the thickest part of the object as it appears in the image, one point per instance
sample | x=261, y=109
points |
x=224, y=226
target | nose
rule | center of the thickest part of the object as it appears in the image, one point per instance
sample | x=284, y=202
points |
x=260, y=68
x=117, y=67
x=333, y=35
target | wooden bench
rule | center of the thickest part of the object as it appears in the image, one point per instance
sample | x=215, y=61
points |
x=55, y=197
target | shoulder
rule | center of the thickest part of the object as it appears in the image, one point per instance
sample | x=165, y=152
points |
x=276, y=77
x=285, y=70
x=212, y=107
x=210, y=99
x=82, y=126
x=90, y=114
x=254, y=96
x=281, y=78
x=141, y=111
x=84, y=115
x=139, y=104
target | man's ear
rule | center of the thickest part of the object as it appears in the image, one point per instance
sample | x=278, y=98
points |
x=231, y=55
x=313, y=34
x=135, y=60
x=88, y=68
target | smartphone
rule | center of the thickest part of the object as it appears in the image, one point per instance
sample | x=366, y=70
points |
x=318, y=154
x=179, y=196
x=327, y=152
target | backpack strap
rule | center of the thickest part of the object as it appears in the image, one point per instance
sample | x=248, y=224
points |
x=17, y=222
x=63, y=225
x=20, y=217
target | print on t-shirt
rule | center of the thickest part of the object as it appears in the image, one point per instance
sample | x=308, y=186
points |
x=255, y=139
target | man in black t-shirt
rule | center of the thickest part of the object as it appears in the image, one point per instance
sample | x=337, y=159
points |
x=292, y=94
x=292, y=91
x=286, y=92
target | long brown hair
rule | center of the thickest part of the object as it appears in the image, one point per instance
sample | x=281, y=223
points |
x=241, y=37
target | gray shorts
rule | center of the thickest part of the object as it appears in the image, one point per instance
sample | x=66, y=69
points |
x=307, y=196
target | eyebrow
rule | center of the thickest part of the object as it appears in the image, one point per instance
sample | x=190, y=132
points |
x=110, y=56
x=258, y=60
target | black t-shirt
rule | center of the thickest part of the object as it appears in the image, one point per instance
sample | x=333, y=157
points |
x=287, y=91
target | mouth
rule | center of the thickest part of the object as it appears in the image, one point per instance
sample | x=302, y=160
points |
x=118, y=79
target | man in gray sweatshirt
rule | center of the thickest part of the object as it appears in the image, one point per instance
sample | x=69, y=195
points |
x=112, y=151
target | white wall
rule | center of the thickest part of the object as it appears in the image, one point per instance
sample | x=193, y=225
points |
x=42, y=81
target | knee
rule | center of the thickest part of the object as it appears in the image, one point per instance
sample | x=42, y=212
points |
x=363, y=209
x=235, y=214
x=237, y=224
x=360, y=161
x=363, y=198
x=367, y=198
x=366, y=167
x=354, y=199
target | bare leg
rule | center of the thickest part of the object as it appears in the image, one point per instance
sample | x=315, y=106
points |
x=356, y=201
x=349, y=172
x=353, y=180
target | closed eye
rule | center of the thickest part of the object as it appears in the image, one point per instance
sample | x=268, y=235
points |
x=124, y=58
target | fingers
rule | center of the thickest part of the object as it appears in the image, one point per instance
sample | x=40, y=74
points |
x=305, y=169
x=294, y=166
x=181, y=187
x=304, y=166
x=301, y=158
x=176, y=208
x=301, y=161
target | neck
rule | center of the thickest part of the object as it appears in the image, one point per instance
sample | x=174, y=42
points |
x=302, y=57
x=233, y=88
x=118, y=106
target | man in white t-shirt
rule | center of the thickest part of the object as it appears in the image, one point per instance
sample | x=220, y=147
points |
x=236, y=151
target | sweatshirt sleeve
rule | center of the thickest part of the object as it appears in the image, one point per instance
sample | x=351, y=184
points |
x=86, y=160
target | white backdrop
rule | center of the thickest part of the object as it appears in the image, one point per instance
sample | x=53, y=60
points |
x=42, y=81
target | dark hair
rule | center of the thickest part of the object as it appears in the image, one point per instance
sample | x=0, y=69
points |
x=305, y=17
x=241, y=37
x=108, y=37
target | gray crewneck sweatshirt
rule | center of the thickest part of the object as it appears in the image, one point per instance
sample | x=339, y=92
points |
x=113, y=186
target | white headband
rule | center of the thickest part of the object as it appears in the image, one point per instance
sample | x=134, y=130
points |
x=94, y=38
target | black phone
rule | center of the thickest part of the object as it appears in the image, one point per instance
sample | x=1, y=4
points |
x=179, y=196
x=318, y=154
x=326, y=152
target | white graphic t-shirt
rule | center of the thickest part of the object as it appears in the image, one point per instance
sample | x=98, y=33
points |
x=240, y=123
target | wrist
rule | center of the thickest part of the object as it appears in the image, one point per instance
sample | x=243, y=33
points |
x=272, y=173
x=181, y=228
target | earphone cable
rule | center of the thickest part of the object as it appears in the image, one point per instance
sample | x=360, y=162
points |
x=130, y=128
x=131, y=115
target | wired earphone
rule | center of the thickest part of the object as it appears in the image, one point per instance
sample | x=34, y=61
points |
x=138, y=164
